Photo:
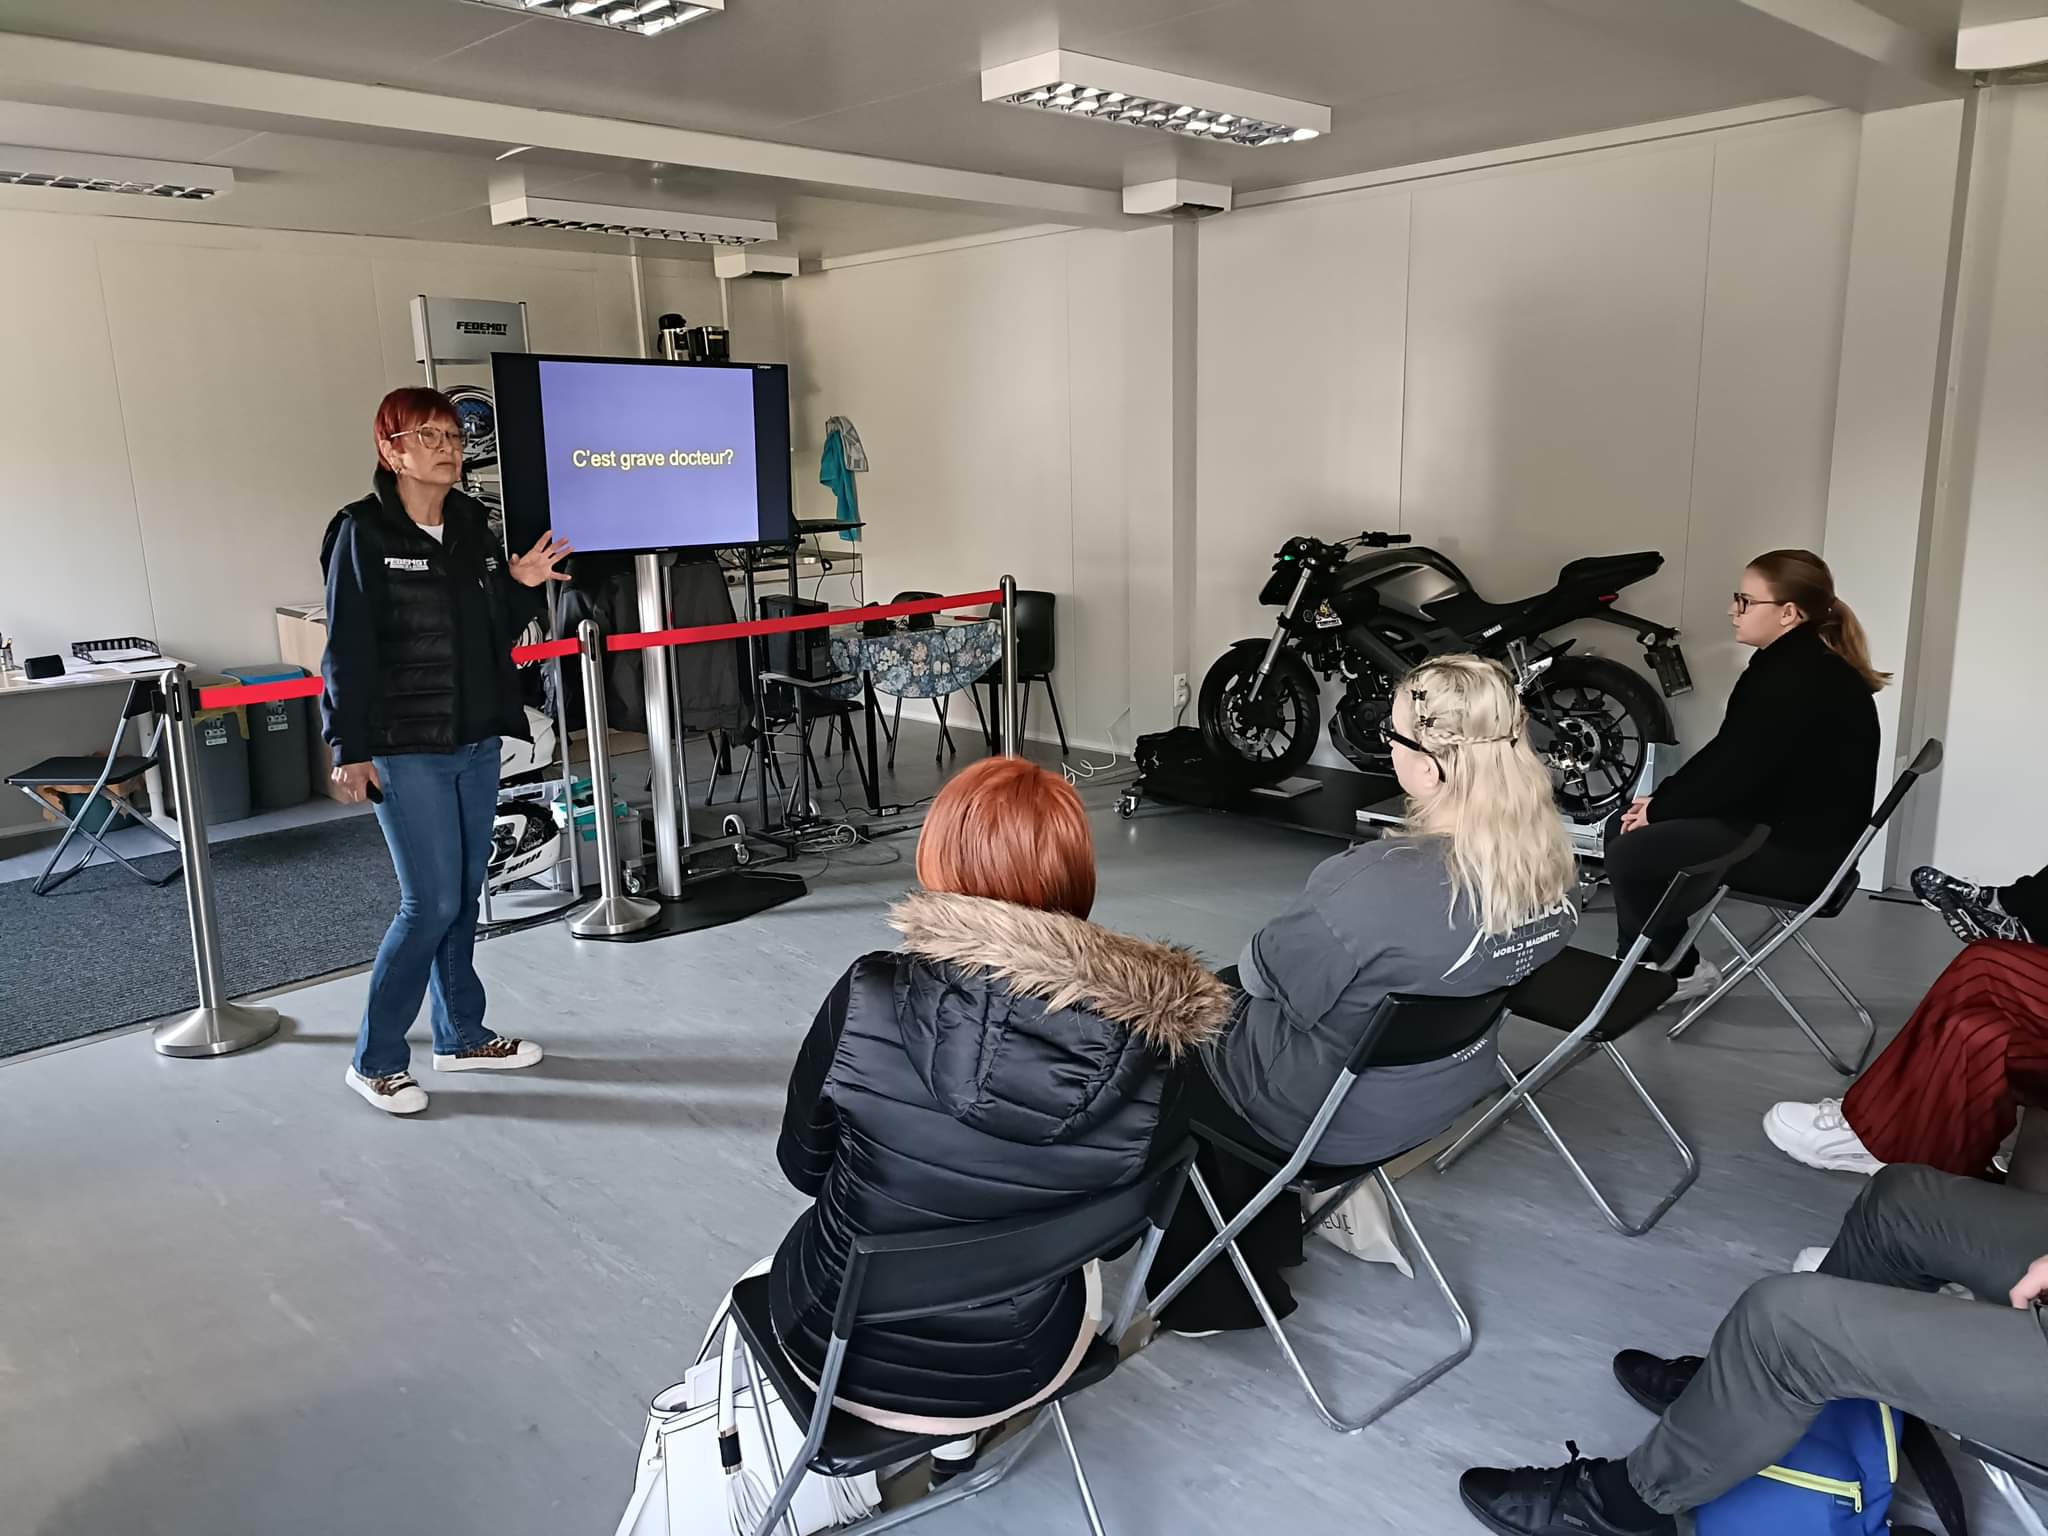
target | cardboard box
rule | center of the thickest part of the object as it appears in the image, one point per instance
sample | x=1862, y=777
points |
x=302, y=641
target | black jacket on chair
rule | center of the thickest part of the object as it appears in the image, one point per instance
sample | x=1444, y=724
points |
x=1797, y=751
x=1006, y=1061
x=419, y=630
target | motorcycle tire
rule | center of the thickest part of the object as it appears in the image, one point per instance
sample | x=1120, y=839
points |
x=1289, y=702
x=1592, y=720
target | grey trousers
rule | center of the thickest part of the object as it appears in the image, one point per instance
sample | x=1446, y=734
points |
x=1868, y=1325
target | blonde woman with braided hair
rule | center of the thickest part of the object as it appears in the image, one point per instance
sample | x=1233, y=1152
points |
x=1472, y=894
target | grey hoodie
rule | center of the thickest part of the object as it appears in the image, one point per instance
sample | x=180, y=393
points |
x=1375, y=919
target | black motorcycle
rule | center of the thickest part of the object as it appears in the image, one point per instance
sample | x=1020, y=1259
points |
x=1364, y=611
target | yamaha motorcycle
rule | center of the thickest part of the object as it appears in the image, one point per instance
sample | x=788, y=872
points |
x=1367, y=610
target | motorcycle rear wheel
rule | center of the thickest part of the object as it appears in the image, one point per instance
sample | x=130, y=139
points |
x=1267, y=739
x=1592, y=721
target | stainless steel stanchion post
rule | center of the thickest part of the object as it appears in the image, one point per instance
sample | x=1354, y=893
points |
x=661, y=743
x=1013, y=702
x=215, y=1027
x=614, y=912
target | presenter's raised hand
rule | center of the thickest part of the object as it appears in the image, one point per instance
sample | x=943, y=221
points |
x=539, y=564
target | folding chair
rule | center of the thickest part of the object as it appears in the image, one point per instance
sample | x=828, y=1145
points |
x=2007, y=1472
x=105, y=782
x=1403, y=1030
x=917, y=1274
x=1595, y=1000
x=1791, y=917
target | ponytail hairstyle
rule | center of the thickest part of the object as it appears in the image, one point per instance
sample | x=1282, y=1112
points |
x=1504, y=841
x=1802, y=578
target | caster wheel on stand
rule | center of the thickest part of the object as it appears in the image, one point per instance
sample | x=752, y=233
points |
x=1127, y=804
x=742, y=855
x=635, y=882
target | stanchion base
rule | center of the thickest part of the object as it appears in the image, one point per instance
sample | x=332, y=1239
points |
x=215, y=1031
x=613, y=917
x=714, y=901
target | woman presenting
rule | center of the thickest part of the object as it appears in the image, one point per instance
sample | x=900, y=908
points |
x=422, y=608
x=1796, y=752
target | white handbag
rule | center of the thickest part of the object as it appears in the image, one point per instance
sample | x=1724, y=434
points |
x=1359, y=1225
x=681, y=1487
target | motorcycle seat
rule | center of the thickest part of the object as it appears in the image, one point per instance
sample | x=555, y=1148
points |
x=1473, y=615
x=1612, y=572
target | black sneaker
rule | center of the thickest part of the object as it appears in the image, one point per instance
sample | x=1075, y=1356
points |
x=1971, y=911
x=1652, y=1380
x=1555, y=1501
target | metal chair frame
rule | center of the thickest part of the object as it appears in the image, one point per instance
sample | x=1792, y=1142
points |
x=1320, y=1197
x=1791, y=928
x=1579, y=1045
x=1165, y=1182
x=137, y=703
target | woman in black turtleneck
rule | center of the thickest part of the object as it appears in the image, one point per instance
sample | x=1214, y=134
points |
x=1797, y=752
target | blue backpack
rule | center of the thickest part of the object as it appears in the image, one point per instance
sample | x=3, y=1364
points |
x=1837, y=1481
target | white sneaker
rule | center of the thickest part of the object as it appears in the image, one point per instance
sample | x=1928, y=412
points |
x=397, y=1094
x=1705, y=977
x=1818, y=1136
x=1808, y=1261
x=496, y=1055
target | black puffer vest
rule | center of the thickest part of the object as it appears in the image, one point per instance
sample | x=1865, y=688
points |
x=396, y=605
x=1008, y=1061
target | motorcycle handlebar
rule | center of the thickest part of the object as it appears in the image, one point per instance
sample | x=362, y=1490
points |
x=1383, y=540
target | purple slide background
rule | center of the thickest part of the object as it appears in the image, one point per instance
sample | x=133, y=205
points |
x=634, y=408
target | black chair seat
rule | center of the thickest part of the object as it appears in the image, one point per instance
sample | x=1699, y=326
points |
x=1561, y=993
x=1317, y=1178
x=2032, y=1473
x=1838, y=898
x=80, y=770
x=853, y=1447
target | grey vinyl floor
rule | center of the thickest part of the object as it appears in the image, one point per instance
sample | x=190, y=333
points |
x=236, y=1302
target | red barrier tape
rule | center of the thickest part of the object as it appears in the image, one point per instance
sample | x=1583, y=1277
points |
x=310, y=687
x=833, y=618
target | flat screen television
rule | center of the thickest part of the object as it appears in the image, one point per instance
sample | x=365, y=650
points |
x=642, y=454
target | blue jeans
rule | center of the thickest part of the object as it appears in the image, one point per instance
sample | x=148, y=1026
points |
x=436, y=818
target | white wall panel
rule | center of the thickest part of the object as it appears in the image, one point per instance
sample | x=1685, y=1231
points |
x=1990, y=824
x=248, y=379
x=1299, y=388
x=73, y=566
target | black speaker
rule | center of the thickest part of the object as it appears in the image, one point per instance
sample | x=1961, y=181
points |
x=807, y=653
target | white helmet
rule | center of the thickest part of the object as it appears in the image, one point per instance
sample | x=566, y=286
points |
x=516, y=757
x=524, y=841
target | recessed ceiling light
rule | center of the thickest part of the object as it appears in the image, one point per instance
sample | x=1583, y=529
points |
x=68, y=171
x=1149, y=98
x=645, y=18
x=515, y=209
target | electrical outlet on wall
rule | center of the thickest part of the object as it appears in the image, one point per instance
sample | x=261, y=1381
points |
x=1180, y=690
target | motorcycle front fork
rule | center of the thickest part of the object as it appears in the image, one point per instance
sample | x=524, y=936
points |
x=1279, y=637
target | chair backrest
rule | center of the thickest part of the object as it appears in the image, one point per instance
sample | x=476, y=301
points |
x=807, y=653
x=1687, y=901
x=1925, y=761
x=917, y=620
x=1407, y=1028
x=914, y=1274
x=145, y=697
x=1037, y=632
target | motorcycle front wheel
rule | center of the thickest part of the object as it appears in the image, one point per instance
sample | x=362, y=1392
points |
x=1265, y=739
x=1592, y=721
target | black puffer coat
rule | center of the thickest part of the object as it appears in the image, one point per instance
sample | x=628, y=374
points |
x=1007, y=1061
x=419, y=630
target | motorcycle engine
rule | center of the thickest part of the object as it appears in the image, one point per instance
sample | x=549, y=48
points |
x=1355, y=723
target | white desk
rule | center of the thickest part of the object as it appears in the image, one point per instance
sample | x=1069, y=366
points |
x=17, y=687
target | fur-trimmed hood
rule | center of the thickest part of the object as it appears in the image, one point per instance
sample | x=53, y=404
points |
x=1159, y=991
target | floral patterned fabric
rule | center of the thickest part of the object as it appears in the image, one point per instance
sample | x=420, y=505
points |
x=918, y=663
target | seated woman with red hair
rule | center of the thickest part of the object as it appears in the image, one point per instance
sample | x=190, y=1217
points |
x=1010, y=1058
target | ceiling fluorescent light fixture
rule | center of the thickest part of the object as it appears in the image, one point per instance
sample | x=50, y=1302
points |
x=646, y=18
x=518, y=210
x=1112, y=92
x=69, y=171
